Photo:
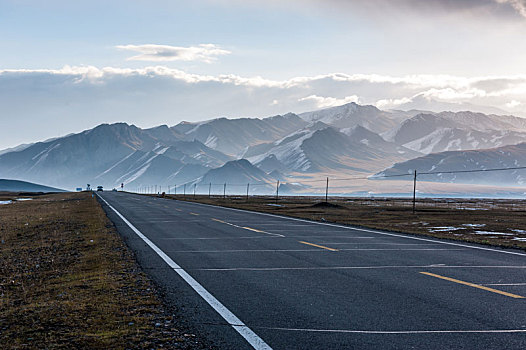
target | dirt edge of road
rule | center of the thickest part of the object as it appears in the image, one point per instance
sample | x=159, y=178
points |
x=67, y=280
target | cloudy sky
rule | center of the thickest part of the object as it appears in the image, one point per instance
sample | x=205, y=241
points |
x=70, y=65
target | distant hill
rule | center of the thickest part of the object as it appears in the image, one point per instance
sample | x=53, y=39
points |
x=238, y=172
x=512, y=156
x=23, y=186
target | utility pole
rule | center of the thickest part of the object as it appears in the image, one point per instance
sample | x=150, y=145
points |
x=327, y=191
x=277, y=191
x=175, y=189
x=414, y=193
x=195, y=185
x=209, y=189
x=224, y=191
x=184, y=191
x=248, y=186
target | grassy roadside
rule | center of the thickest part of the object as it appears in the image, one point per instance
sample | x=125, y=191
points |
x=67, y=281
x=499, y=224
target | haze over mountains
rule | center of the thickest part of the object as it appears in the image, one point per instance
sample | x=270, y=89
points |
x=349, y=139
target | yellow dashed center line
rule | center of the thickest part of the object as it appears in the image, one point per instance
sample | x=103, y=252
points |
x=319, y=246
x=248, y=228
x=253, y=229
x=194, y=214
x=473, y=285
x=178, y=209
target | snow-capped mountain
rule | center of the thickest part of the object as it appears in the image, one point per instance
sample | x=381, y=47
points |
x=233, y=136
x=352, y=114
x=320, y=148
x=439, y=163
x=110, y=155
x=448, y=131
x=344, y=139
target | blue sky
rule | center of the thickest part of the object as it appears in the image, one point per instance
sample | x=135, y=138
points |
x=69, y=65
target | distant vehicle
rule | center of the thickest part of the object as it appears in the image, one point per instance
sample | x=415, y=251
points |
x=99, y=188
x=114, y=190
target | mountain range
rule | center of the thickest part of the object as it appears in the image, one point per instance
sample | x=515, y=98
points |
x=475, y=166
x=345, y=140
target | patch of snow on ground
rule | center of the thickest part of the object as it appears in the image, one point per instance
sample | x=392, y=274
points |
x=518, y=231
x=474, y=225
x=520, y=239
x=493, y=233
x=444, y=228
x=464, y=208
x=5, y=202
x=24, y=199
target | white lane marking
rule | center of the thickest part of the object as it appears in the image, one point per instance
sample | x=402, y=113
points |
x=355, y=268
x=216, y=238
x=155, y=221
x=253, y=339
x=395, y=332
x=359, y=229
x=502, y=284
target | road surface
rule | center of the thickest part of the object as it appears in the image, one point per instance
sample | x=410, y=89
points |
x=253, y=280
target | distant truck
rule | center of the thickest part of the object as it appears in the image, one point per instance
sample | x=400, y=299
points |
x=100, y=188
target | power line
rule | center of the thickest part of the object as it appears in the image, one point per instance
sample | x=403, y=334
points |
x=371, y=177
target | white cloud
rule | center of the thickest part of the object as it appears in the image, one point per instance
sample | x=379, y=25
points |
x=513, y=104
x=518, y=5
x=324, y=102
x=64, y=100
x=157, y=53
x=390, y=103
x=452, y=94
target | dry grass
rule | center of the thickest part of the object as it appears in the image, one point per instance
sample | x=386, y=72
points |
x=68, y=281
x=504, y=220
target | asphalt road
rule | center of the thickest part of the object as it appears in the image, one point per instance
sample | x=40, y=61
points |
x=303, y=285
